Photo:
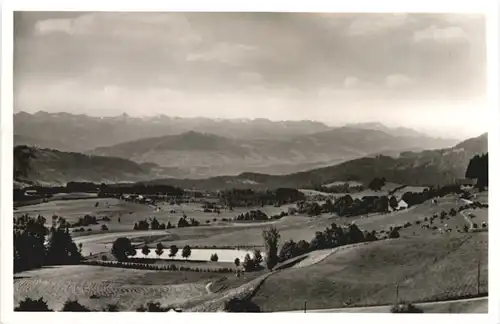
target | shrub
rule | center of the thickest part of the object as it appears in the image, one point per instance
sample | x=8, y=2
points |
x=104, y=227
x=474, y=225
x=32, y=305
x=156, y=307
x=214, y=257
x=111, y=308
x=74, y=306
x=89, y=230
x=236, y=305
x=406, y=308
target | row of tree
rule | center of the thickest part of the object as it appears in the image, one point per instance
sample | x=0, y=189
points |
x=248, y=197
x=253, y=215
x=122, y=249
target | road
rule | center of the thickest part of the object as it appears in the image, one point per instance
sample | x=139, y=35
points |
x=479, y=305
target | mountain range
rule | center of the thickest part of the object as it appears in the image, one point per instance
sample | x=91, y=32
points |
x=428, y=167
x=80, y=133
x=201, y=155
x=203, y=147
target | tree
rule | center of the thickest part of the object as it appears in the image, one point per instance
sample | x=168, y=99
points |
x=186, y=252
x=394, y=233
x=248, y=263
x=155, y=224
x=60, y=247
x=393, y=202
x=145, y=250
x=169, y=226
x=32, y=305
x=74, y=306
x=271, y=240
x=478, y=169
x=257, y=258
x=214, y=257
x=376, y=184
x=302, y=247
x=355, y=235
x=237, y=262
x=122, y=248
x=159, y=249
x=173, y=251
x=288, y=251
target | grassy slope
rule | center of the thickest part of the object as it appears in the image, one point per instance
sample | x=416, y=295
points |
x=437, y=268
x=130, y=288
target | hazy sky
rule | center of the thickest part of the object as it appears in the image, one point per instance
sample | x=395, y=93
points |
x=417, y=70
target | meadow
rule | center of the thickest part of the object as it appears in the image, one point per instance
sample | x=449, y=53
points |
x=425, y=264
x=437, y=268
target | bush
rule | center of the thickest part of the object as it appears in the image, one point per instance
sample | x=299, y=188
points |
x=32, y=305
x=104, y=227
x=406, y=308
x=214, y=257
x=474, y=225
x=236, y=305
x=111, y=308
x=153, y=307
x=74, y=306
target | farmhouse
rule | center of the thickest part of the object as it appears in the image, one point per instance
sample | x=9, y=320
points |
x=401, y=205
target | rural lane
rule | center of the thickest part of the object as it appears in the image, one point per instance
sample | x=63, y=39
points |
x=481, y=307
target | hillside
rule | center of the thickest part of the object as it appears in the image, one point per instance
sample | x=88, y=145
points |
x=45, y=166
x=431, y=167
x=82, y=132
x=205, y=155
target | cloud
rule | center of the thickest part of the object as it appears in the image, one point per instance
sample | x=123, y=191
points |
x=351, y=82
x=443, y=35
x=123, y=25
x=251, y=77
x=229, y=53
x=394, y=81
x=368, y=24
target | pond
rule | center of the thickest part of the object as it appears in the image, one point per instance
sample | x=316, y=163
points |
x=225, y=255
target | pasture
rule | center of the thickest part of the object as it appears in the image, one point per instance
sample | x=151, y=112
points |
x=96, y=286
x=437, y=268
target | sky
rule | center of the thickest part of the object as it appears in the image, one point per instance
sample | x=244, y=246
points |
x=426, y=71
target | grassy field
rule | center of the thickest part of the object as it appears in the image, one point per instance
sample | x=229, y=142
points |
x=436, y=268
x=124, y=214
x=426, y=265
x=96, y=286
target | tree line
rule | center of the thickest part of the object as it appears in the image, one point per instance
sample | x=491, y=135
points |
x=35, y=245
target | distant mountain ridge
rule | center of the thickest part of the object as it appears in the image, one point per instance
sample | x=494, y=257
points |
x=206, y=155
x=83, y=133
x=429, y=167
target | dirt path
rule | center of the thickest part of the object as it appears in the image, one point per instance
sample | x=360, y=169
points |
x=472, y=305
